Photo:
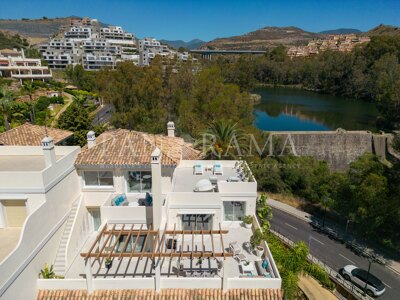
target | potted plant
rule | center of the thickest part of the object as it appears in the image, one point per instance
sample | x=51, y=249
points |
x=108, y=263
x=200, y=261
x=255, y=242
x=48, y=273
x=248, y=221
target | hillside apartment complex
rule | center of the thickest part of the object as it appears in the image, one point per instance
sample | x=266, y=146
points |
x=14, y=64
x=87, y=43
x=132, y=211
x=342, y=43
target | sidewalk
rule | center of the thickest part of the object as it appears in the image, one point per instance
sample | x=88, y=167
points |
x=392, y=265
x=313, y=290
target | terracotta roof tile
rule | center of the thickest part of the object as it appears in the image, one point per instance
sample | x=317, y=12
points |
x=32, y=135
x=178, y=294
x=125, y=148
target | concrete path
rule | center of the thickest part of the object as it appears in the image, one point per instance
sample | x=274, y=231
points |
x=69, y=100
x=9, y=238
x=313, y=290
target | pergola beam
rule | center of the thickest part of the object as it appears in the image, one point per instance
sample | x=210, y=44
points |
x=105, y=244
x=159, y=243
x=127, y=241
x=164, y=254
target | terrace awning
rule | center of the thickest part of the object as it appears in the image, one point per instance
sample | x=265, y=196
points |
x=156, y=243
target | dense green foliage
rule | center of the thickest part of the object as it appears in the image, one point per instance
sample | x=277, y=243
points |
x=370, y=72
x=12, y=41
x=146, y=98
x=368, y=193
x=76, y=119
x=221, y=140
x=79, y=77
x=292, y=262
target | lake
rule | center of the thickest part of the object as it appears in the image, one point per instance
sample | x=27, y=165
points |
x=290, y=109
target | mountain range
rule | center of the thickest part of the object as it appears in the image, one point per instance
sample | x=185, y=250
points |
x=38, y=30
x=341, y=31
x=193, y=44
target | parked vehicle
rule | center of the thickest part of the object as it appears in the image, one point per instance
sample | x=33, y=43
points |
x=360, y=277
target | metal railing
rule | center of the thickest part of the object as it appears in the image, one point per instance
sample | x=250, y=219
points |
x=333, y=274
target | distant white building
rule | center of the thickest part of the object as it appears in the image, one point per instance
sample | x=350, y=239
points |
x=86, y=43
x=14, y=64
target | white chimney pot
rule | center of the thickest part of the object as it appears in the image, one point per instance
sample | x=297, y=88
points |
x=91, y=139
x=49, y=151
x=171, y=129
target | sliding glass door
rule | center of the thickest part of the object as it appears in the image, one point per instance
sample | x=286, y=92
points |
x=234, y=210
x=197, y=222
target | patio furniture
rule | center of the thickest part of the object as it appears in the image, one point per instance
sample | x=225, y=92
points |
x=235, y=248
x=213, y=179
x=247, y=247
x=171, y=244
x=247, y=267
x=198, y=168
x=149, y=199
x=233, y=179
x=218, y=170
x=120, y=200
x=240, y=257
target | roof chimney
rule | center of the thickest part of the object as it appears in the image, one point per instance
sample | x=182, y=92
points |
x=171, y=129
x=156, y=187
x=49, y=151
x=91, y=139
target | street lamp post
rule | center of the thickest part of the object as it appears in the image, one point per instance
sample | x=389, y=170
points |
x=370, y=260
x=347, y=226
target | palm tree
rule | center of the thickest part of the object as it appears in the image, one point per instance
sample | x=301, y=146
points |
x=222, y=140
x=5, y=103
x=30, y=89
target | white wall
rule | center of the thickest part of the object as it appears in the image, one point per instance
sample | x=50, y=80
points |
x=38, y=244
x=138, y=214
x=81, y=229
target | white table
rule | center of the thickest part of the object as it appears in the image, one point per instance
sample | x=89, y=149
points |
x=247, y=268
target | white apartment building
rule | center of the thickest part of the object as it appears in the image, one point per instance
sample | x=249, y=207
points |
x=98, y=61
x=152, y=218
x=78, y=33
x=87, y=44
x=14, y=64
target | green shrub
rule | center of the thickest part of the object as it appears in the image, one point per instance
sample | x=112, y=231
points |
x=248, y=219
x=319, y=274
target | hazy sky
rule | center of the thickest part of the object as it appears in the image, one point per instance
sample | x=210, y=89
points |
x=208, y=19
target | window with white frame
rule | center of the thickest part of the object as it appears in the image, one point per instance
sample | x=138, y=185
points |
x=139, y=181
x=98, y=178
x=234, y=210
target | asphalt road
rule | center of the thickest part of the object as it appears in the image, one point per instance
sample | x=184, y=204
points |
x=103, y=115
x=331, y=252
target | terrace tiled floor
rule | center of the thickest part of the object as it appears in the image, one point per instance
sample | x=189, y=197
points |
x=136, y=267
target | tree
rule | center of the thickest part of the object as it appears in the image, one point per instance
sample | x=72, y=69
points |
x=30, y=88
x=222, y=140
x=76, y=119
x=6, y=101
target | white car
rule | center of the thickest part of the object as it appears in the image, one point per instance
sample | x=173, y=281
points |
x=375, y=287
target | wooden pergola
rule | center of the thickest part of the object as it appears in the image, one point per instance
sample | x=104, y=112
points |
x=155, y=243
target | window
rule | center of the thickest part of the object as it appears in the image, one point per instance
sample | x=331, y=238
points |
x=98, y=178
x=196, y=222
x=234, y=210
x=139, y=181
x=132, y=242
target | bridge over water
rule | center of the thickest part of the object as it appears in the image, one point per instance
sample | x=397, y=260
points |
x=206, y=54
